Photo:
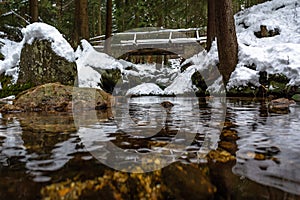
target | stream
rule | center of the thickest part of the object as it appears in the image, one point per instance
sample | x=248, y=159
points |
x=141, y=150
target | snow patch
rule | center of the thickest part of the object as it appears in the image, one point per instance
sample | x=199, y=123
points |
x=182, y=83
x=145, y=89
x=11, y=52
x=87, y=56
x=87, y=60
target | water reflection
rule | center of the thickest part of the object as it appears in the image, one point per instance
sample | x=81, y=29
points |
x=39, y=149
x=146, y=136
x=269, y=145
x=43, y=142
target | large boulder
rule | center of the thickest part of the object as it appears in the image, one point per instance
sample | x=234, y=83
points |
x=55, y=97
x=39, y=64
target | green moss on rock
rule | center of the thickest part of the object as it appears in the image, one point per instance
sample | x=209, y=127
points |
x=8, y=88
x=296, y=97
x=278, y=84
x=58, y=97
x=249, y=90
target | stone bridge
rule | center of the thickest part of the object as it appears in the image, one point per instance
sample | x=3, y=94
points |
x=163, y=42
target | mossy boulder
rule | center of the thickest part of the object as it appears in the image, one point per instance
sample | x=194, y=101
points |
x=39, y=64
x=55, y=97
x=296, y=97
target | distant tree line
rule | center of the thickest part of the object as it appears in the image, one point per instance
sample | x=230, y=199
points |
x=78, y=19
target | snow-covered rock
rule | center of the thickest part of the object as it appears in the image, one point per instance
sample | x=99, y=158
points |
x=145, y=89
x=42, y=31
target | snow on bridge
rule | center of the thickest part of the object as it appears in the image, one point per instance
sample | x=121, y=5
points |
x=182, y=42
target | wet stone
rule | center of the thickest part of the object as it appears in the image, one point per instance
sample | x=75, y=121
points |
x=55, y=97
x=221, y=156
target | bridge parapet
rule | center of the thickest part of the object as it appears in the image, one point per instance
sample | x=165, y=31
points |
x=154, y=42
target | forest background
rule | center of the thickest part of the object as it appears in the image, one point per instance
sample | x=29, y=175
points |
x=69, y=15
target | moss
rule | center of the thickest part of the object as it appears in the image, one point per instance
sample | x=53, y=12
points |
x=277, y=88
x=161, y=86
x=12, y=89
x=279, y=78
x=296, y=97
x=278, y=84
x=250, y=91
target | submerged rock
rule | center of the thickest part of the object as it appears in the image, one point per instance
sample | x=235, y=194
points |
x=167, y=105
x=188, y=182
x=220, y=156
x=280, y=106
x=58, y=97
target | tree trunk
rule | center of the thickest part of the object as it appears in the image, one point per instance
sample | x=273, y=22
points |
x=81, y=21
x=59, y=4
x=100, y=21
x=211, y=24
x=226, y=38
x=108, y=29
x=93, y=21
x=34, y=11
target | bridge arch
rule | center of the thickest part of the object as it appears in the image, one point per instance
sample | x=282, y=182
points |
x=182, y=43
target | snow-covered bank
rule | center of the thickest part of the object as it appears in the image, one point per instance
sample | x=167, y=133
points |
x=145, y=89
x=275, y=55
x=278, y=54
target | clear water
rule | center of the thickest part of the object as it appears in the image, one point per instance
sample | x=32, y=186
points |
x=40, y=149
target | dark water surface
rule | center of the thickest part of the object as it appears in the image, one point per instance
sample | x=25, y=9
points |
x=75, y=156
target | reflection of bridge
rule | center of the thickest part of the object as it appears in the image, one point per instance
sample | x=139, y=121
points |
x=179, y=42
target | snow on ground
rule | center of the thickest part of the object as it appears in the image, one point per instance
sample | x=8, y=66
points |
x=11, y=52
x=202, y=62
x=278, y=54
x=88, y=60
x=88, y=56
